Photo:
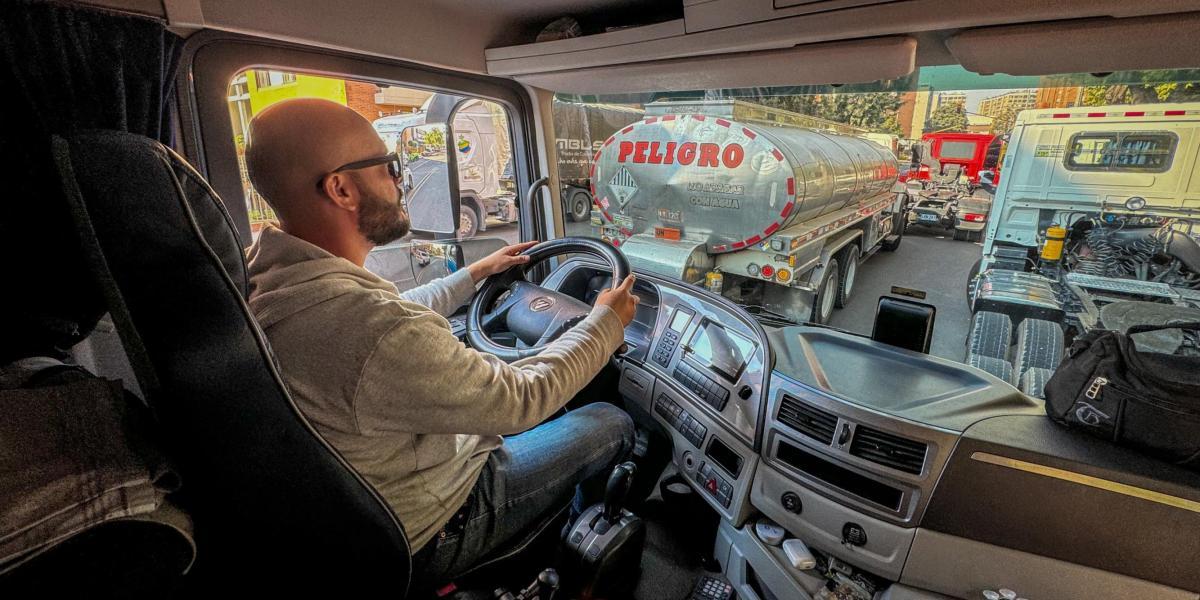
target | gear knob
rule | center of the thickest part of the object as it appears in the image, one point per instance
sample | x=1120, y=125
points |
x=618, y=487
x=549, y=578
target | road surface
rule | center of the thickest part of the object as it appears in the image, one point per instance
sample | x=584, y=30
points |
x=928, y=261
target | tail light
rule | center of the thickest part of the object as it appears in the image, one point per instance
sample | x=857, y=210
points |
x=973, y=217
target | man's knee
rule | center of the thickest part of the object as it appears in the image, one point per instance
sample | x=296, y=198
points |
x=612, y=425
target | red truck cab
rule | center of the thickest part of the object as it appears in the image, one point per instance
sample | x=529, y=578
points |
x=969, y=150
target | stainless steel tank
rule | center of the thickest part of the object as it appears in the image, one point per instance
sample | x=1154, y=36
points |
x=727, y=183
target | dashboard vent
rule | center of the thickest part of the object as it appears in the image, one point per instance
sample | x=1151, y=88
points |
x=888, y=450
x=815, y=423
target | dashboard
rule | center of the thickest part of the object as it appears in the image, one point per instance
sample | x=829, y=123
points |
x=893, y=461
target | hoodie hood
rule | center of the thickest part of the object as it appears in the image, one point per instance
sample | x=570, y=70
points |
x=288, y=275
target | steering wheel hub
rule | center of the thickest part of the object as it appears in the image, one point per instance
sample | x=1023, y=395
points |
x=534, y=314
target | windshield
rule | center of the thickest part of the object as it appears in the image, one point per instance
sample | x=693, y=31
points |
x=760, y=180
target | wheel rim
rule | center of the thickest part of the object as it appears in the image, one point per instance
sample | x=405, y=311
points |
x=580, y=207
x=851, y=271
x=828, y=298
x=466, y=222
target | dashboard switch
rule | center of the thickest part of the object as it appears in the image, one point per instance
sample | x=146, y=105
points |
x=853, y=534
x=791, y=503
x=745, y=392
x=845, y=435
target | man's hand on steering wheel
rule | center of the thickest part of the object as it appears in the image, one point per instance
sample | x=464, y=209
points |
x=621, y=300
x=499, y=261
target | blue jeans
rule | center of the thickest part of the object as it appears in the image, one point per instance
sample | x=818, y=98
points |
x=529, y=480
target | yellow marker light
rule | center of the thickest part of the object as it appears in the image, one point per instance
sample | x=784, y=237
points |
x=1053, y=248
x=783, y=275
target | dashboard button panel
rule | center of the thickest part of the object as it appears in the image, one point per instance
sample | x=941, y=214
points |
x=713, y=483
x=700, y=384
x=680, y=420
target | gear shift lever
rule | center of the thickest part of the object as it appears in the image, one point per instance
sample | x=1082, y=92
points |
x=618, y=487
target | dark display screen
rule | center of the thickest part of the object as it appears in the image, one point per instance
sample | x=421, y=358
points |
x=724, y=351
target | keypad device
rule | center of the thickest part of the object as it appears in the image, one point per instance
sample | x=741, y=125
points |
x=680, y=419
x=712, y=588
x=666, y=347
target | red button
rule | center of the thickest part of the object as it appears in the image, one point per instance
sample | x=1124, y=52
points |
x=711, y=485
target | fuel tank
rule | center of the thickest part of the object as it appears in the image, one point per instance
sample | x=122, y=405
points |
x=728, y=183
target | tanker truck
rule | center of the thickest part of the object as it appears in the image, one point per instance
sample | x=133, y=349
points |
x=750, y=201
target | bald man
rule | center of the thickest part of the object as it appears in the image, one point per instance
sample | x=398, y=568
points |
x=381, y=376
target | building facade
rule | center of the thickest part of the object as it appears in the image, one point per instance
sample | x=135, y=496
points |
x=1016, y=100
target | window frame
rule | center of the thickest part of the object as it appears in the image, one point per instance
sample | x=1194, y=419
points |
x=211, y=59
x=1118, y=139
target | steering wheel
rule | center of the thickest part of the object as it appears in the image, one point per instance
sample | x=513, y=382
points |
x=533, y=313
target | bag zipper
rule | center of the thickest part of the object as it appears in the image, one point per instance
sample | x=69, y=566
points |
x=1094, y=389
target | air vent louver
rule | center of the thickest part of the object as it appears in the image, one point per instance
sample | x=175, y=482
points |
x=816, y=424
x=888, y=450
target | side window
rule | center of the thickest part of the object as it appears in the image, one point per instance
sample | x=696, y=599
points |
x=1136, y=151
x=479, y=137
x=1089, y=151
x=1145, y=152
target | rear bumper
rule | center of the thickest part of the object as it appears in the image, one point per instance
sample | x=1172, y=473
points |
x=969, y=225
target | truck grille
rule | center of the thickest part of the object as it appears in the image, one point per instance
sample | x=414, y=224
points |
x=815, y=423
x=888, y=450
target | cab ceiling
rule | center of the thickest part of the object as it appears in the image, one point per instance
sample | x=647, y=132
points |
x=457, y=34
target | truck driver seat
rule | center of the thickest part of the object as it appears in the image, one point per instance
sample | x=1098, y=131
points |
x=276, y=508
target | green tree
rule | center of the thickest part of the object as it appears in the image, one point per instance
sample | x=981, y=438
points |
x=435, y=137
x=874, y=111
x=950, y=116
x=1003, y=121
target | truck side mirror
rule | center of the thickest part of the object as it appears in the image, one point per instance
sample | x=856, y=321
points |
x=425, y=180
x=904, y=323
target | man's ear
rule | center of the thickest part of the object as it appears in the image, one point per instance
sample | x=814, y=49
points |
x=340, y=189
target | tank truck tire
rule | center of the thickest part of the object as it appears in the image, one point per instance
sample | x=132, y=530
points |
x=848, y=276
x=826, y=293
x=898, y=229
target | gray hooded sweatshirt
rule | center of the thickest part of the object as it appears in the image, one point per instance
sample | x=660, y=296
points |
x=382, y=378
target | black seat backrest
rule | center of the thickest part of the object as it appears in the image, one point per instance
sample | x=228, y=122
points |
x=273, y=503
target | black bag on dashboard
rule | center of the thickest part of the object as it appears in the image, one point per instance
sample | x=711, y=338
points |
x=1146, y=400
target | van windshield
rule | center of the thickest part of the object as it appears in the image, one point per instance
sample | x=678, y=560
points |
x=749, y=178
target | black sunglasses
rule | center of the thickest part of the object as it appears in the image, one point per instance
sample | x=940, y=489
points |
x=392, y=160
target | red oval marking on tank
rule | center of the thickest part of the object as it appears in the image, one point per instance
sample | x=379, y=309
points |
x=669, y=118
x=651, y=120
x=722, y=122
x=787, y=210
x=627, y=129
x=749, y=134
x=606, y=143
x=750, y=241
x=720, y=248
x=698, y=117
x=739, y=245
x=772, y=228
x=777, y=154
x=791, y=186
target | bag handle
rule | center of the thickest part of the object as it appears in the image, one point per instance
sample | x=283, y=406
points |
x=1144, y=328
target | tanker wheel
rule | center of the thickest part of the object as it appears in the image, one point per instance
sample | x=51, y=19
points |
x=579, y=206
x=826, y=294
x=849, y=274
x=901, y=223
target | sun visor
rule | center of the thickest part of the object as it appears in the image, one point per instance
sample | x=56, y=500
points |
x=858, y=61
x=1087, y=46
